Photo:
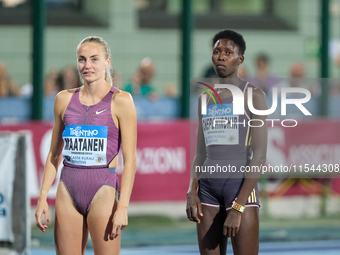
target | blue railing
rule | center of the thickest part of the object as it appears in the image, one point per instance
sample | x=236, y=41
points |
x=19, y=109
x=165, y=108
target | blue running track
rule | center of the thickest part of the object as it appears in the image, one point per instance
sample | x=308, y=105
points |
x=272, y=248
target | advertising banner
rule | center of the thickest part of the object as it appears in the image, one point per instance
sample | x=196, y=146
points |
x=163, y=151
x=8, y=145
x=164, y=156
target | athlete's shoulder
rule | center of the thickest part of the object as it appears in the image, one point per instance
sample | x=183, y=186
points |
x=123, y=105
x=257, y=93
x=63, y=98
x=259, y=98
x=65, y=94
x=122, y=97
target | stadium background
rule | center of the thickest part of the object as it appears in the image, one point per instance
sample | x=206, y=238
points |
x=287, y=31
x=294, y=36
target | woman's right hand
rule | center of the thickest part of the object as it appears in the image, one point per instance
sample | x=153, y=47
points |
x=194, y=207
x=42, y=208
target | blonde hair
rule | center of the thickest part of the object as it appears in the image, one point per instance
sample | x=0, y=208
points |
x=107, y=51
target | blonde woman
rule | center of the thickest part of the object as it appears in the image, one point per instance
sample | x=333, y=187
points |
x=90, y=125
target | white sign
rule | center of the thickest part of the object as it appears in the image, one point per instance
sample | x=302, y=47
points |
x=8, y=145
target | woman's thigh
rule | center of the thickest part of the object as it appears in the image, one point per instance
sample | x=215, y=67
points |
x=211, y=240
x=246, y=242
x=99, y=221
x=70, y=230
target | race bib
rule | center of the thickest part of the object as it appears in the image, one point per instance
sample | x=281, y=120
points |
x=220, y=126
x=85, y=145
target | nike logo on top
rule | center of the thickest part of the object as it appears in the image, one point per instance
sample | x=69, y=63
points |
x=99, y=112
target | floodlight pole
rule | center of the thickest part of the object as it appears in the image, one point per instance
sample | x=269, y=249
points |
x=38, y=24
x=324, y=99
x=324, y=58
x=186, y=24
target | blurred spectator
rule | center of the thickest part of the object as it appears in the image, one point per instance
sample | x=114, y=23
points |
x=51, y=83
x=69, y=78
x=170, y=90
x=116, y=79
x=297, y=79
x=337, y=59
x=263, y=79
x=8, y=87
x=141, y=80
x=56, y=81
x=26, y=90
x=335, y=89
x=242, y=73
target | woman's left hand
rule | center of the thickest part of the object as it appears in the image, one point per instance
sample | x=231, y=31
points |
x=120, y=221
x=232, y=223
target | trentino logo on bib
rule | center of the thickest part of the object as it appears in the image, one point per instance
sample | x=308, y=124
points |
x=219, y=133
x=219, y=110
x=89, y=131
x=85, y=145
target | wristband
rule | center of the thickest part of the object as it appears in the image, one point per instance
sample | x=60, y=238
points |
x=238, y=207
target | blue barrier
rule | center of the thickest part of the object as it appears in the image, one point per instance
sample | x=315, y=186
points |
x=14, y=109
x=19, y=109
x=165, y=108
